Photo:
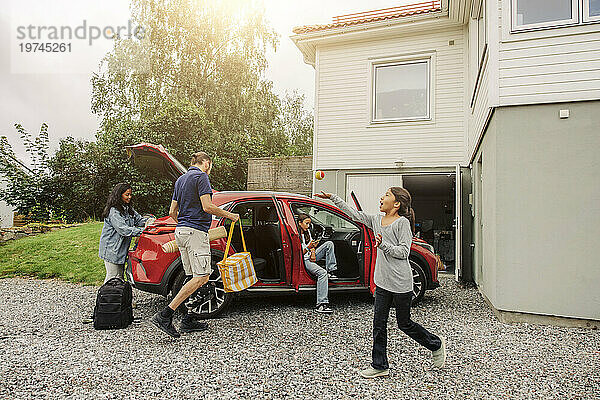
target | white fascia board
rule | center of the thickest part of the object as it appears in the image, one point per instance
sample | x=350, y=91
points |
x=308, y=51
x=460, y=10
x=307, y=42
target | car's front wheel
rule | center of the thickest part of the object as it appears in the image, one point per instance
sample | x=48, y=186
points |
x=419, y=282
x=205, y=303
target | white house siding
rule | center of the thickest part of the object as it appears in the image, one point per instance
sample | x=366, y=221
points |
x=551, y=65
x=344, y=137
x=485, y=96
x=480, y=110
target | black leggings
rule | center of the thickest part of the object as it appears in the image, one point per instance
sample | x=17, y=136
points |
x=384, y=300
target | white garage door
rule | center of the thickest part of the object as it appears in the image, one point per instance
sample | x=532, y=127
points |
x=369, y=188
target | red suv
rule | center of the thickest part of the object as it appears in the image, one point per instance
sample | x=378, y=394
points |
x=271, y=234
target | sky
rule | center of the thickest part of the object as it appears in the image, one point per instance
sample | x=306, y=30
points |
x=55, y=88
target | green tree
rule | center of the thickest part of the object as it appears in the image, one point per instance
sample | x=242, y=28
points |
x=29, y=188
x=199, y=86
x=297, y=123
x=195, y=81
x=74, y=171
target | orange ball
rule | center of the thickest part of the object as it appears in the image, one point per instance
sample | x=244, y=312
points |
x=319, y=175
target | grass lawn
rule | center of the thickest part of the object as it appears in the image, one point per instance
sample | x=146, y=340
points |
x=70, y=254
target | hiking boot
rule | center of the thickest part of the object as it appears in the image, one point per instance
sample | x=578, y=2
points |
x=439, y=355
x=165, y=325
x=374, y=372
x=190, y=325
x=323, y=309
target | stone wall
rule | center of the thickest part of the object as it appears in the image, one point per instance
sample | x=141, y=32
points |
x=7, y=234
x=281, y=174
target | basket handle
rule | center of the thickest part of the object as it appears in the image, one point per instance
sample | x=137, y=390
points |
x=229, y=239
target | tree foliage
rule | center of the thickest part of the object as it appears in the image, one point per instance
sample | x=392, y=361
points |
x=194, y=81
x=28, y=188
x=297, y=124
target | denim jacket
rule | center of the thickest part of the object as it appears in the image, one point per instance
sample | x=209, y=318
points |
x=116, y=235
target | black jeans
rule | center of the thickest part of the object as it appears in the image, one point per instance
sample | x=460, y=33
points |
x=384, y=300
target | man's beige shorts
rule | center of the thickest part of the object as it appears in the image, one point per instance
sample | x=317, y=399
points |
x=195, y=250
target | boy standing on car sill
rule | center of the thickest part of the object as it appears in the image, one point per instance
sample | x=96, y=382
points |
x=192, y=208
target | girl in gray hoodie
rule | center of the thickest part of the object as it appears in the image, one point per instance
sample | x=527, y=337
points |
x=393, y=275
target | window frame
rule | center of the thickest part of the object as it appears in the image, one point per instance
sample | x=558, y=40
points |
x=574, y=20
x=586, y=12
x=294, y=205
x=427, y=60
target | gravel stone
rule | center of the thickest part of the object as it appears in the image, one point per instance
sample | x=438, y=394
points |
x=278, y=347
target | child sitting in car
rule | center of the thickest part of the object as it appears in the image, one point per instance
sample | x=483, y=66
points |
x=312, y=253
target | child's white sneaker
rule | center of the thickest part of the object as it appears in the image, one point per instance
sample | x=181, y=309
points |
x=374, y=373
x=439, y=355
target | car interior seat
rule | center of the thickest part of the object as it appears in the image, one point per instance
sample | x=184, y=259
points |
x=268, y=241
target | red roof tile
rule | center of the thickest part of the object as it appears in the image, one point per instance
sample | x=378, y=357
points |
x=373, y=16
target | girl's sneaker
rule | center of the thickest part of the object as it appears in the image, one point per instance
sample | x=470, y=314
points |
x=323, y=309
x=439, y=355
x=374, y=373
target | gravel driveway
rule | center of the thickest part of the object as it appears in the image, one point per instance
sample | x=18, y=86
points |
x=279, y=347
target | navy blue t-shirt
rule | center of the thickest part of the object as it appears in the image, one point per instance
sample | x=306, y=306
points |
x=188, y=189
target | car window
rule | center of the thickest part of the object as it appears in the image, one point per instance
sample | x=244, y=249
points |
x=324, y=217
x=246, y=212
x=266, y=214
x=246, y=216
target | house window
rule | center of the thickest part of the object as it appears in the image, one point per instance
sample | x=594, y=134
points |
x=591, y=10
x=529, y=14
x=401, y=91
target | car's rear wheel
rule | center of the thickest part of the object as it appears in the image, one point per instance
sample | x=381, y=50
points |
x=205, y=305
x=419, y=281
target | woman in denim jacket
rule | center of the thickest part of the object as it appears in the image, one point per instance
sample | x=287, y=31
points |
x=121, y=223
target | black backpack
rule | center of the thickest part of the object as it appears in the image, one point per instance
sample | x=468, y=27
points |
x=113, y=305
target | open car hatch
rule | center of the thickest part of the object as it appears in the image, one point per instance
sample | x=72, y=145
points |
x=158, y=158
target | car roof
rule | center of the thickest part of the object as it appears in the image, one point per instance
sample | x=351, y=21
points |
x=147, y=152
x=226, y=196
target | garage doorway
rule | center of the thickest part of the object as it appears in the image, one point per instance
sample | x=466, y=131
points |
x=434, y=203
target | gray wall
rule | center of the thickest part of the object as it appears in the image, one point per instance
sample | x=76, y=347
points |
x=540, y=208
x=284, y=174
x=6, y=213
x=484, y=232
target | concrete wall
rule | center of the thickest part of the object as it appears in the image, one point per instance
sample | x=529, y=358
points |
x=545, y=193
x=485, y=203
x=284, y=174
